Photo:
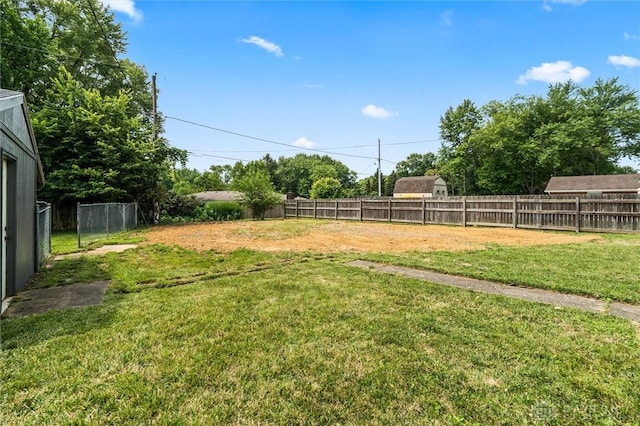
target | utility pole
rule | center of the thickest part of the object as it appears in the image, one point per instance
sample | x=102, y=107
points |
x=154, y=95
x=379, y=172
x=154, y=137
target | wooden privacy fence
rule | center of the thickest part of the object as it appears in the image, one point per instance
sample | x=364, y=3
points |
x=576, y=214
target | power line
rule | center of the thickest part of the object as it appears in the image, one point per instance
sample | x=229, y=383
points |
x=242, y=151
x=412, y=142
x=218, y=156
x=324, y=149
x=60, y=55
x=242, y=135
x=104, y=36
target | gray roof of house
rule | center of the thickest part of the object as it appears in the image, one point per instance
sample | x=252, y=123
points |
x=217, y=195
x=4, y=93
x=415, y=184
x=608, y=183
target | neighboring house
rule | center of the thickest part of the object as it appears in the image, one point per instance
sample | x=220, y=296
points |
x=420, y=187
x=20, y=174
x=593, y=185
x=208, y=196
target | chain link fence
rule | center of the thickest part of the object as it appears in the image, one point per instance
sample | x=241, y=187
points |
x=99, y=221
x=43, y=225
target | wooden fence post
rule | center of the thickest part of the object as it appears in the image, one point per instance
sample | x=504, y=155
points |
x=297, y=212
x=389, y=210
x=336, y=209
x=577, y=214
x=515, y=211
x=464, y=211
x=360, y=211
x=315, y=209
x=424, y=213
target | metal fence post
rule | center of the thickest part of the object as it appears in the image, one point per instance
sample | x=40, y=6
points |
x=106, y=205
x=78, y=228
x=38, y=238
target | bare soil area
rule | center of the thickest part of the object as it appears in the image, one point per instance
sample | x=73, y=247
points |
x=346, y=236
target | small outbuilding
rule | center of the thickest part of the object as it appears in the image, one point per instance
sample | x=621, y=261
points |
x=20, y=174
x=420, y=187
x=594, y=185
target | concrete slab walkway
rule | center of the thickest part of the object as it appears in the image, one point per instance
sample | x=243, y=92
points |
x=35, y=301
x=549, y=297
x=114, y=248
x=40, y=300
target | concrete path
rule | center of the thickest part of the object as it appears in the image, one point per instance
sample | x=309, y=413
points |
x=40, y=300
x=115, y=248
x=549, y=297
x=36, y=301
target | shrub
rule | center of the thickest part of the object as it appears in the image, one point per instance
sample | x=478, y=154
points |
x=178, y=208
x=258, y=193
x=219, y=210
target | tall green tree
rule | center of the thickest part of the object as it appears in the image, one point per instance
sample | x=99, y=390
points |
x=94, y=150
x=185, y=181
x=515, y=146
x=367, y=186
x=212, y=180
x=326, y=188
x=258, y=193
x=28, y=60
x=96, y=132
x=299, y=172
x=457, y=157
x=38, y=36
x=416, y=165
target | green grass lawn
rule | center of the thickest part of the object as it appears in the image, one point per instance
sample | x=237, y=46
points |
x=606, y=268
x=260, y=338
x=65, y=242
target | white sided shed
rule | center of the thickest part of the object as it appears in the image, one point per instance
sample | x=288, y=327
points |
x=420, y=187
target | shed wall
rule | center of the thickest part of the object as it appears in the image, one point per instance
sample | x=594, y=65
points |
x=16, y=147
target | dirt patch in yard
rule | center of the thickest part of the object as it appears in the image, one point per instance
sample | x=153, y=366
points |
x=344, y=236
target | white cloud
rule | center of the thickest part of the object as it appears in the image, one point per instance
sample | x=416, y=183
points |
x=554, y=72
x=303, y=142
x=546, y=4
x=446, y=18
x=377, y=112
x=125, y=6
x=265, y=44
x=629, y=36
x=624, y=61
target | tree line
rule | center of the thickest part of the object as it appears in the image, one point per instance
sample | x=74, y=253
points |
x=509, y=147
x=100, y=140
x=91, y=107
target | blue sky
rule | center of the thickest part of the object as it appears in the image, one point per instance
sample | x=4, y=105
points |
x=337, y=76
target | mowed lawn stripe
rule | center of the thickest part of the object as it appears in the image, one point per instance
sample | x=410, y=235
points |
x=548, y=297
x=316, y=342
